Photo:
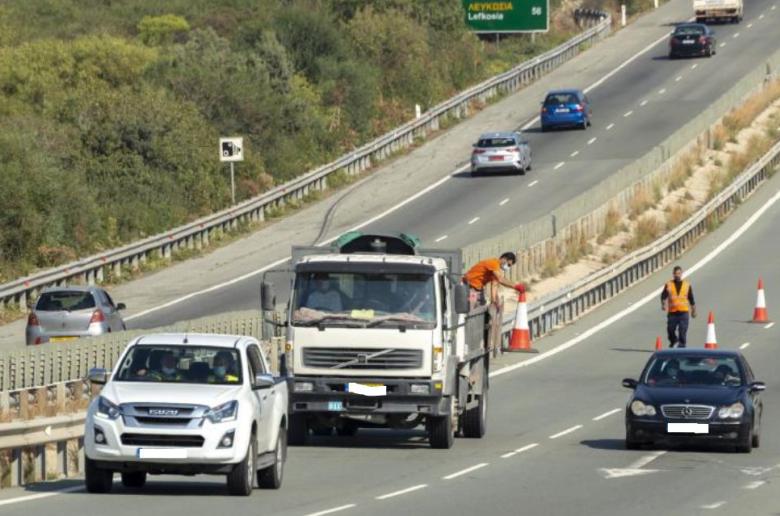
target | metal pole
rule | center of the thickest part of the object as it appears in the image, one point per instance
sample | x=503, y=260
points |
x=232, y=183
x=623, y=15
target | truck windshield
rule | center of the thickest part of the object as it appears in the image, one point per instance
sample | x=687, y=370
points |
x=180, y=364
x=364, y=299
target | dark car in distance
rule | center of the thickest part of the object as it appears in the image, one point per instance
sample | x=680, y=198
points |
x=695, y=395
x=692, y=39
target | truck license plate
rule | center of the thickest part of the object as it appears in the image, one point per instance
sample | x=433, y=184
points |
x=335, y=406
x=162, y=453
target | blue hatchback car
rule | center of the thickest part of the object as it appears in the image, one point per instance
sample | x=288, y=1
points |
x=565, y=108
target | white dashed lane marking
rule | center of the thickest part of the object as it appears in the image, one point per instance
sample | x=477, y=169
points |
x=532, y=183
x=713, y=505
x=472, y=221
x=755, y=485
x=465, y=471
x=736, y=35
x=574, y=153
x=441, y=238
x=643, y=103
x=503, y=202
x=559, y=165
x=693, y=66
x=750, y=26
x=520, y=450
x=606, y=414
x=331, y=511
x=627, y=113
x=662, y=91
x=567, y=431
x=743, y=346
x=769, y=325
x=678, y=78
x=402, y=492
x=722, y=44
x=590, y=142
x=610, y=126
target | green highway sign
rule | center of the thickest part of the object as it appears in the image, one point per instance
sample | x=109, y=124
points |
x=507, y=15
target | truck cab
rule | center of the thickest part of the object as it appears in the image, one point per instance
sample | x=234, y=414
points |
x=380, y=334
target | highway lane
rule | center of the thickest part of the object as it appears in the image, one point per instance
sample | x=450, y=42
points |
x=650, y=96
x=563, y=404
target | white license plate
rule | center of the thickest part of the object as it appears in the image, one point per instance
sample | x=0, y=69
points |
x=335, y=406
x=162, y=453
x=688, y=42
x=367, y=390
x=562, y=110
x=688, y=428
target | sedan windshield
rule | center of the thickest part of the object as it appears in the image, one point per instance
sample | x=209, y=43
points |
x=694, y=371
x=65, y=300
x=488, y=143
x=364, y=299
x=180, y=364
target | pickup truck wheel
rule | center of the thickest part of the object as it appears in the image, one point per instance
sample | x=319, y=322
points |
x=271, y=477
x=474, y=420
x=241, y=480
x=347, y=429
x=298, y=431
x=97, y=480
x=440, y=434
x=136, y=479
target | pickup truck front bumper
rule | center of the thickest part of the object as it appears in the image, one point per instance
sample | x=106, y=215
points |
x=309, y=395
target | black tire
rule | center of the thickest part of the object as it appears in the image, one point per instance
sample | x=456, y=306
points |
x=298, y=431
x=474, y=173
x=321, y=430
x=528, y=168
x=631, y=442
x=136, y=479
x=474, y=420
x=746, y=445
x=756, y=441
x=96, y=479
x=440, y=434
x=545, y=129
x=241, y=480
x=347, y=429
x=271, y=477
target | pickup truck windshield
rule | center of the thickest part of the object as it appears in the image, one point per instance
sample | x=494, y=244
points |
x=180, y=364
x=364, y=299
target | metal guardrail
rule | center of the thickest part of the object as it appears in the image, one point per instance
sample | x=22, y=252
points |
x=570, y=303
x=198, y=233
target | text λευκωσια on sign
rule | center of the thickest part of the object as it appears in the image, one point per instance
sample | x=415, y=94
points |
x=507, y=15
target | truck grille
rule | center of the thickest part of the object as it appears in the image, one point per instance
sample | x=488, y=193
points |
x=178, y=441
x=362, y=358
x=138, y=415
x=687, y=411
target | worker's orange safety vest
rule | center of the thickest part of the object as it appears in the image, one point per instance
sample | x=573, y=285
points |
x=678, y=301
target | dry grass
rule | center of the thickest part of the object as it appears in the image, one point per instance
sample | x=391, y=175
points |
x=551, y=267
x=744, y=115
x=611, y=226
x=719, y=137
x=647, y=229
x=681, y=171
x=640, y=203
x=677, y=215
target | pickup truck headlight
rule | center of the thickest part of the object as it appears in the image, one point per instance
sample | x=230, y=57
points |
x=734, y=411
x=640, y=408
x=108, y=409
x=223, y=413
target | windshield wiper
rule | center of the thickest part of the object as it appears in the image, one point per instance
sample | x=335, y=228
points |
x=333, y=317
x=396, y=319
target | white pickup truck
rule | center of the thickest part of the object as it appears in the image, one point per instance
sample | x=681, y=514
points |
x=721, y=10
x=188, y=404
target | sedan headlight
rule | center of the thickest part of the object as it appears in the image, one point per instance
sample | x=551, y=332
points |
x=640, y=408
x=734, y=411
x=223, y=413
x=108, y=409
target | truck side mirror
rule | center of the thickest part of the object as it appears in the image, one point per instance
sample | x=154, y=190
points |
x=462, y=305
x=267, y=297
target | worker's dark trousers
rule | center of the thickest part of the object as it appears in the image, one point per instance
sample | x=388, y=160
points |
x=677, y=328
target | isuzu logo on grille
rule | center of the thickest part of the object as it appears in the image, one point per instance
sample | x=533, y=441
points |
x=163, y=412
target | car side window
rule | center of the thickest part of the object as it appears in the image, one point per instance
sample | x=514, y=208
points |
x=255, y=361
x=108, y=299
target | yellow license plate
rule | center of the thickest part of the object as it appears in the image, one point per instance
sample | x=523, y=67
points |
x=61, y=339
x=374, y=384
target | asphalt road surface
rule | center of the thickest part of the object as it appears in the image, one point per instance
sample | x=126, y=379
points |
x=555, y=434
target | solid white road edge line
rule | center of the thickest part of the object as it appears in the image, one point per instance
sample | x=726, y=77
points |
x=520, y=450
x=606, y=414
x=402, y=492
x=331, y=511
x=389, y=210
x=443, y=237
x=38, y=496
x=567, y=431
x=465, y=471
x=636, y=306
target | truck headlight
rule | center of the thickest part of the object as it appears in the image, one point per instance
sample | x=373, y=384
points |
x=303, y=387
x=420, y=388
x=223, y=413
x=108, y=409
x=734, y=411
x=640, y=408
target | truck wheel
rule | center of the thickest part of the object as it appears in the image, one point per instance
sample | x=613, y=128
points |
x=241, y=480
x=298, y=431
x=271, y=477
x=136, y=479
x=347, y=429
x=474, y=420
x=97, y=480
x=440, y=433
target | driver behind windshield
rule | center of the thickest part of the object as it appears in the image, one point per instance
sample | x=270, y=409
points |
x=324, y=297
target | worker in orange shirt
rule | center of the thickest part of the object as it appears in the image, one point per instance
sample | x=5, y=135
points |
x=490, y=271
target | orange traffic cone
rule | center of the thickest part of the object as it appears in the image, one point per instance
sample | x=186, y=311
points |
x=759, y=313
x=712, y=342
x=658, y=345
x=520, y=341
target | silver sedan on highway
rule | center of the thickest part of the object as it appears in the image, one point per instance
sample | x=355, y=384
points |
x=501, y=152
x=66, y=313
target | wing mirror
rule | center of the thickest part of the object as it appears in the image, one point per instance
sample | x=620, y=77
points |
x=97, y=375
x=121, y=306
x=264, y=381
x=757, y=387
x=630, y=383
x=267, y=297
x=462, y=305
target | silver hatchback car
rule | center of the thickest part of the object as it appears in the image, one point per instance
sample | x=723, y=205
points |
x=67, y=313
x=501, y=152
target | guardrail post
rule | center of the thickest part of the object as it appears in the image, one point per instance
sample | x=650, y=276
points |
x=15, y=463
x=62, y=458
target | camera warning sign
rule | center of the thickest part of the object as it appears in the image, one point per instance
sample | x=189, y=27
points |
x=231, y=149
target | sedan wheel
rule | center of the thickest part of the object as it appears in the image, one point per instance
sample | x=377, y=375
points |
x=746, y=445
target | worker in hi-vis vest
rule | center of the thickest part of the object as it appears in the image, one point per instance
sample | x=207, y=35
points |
x=678, y=303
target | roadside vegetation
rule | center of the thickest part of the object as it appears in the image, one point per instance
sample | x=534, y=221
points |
x=110, y=111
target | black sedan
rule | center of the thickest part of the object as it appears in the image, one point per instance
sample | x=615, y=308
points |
x=692, y=39
x=695, y=395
